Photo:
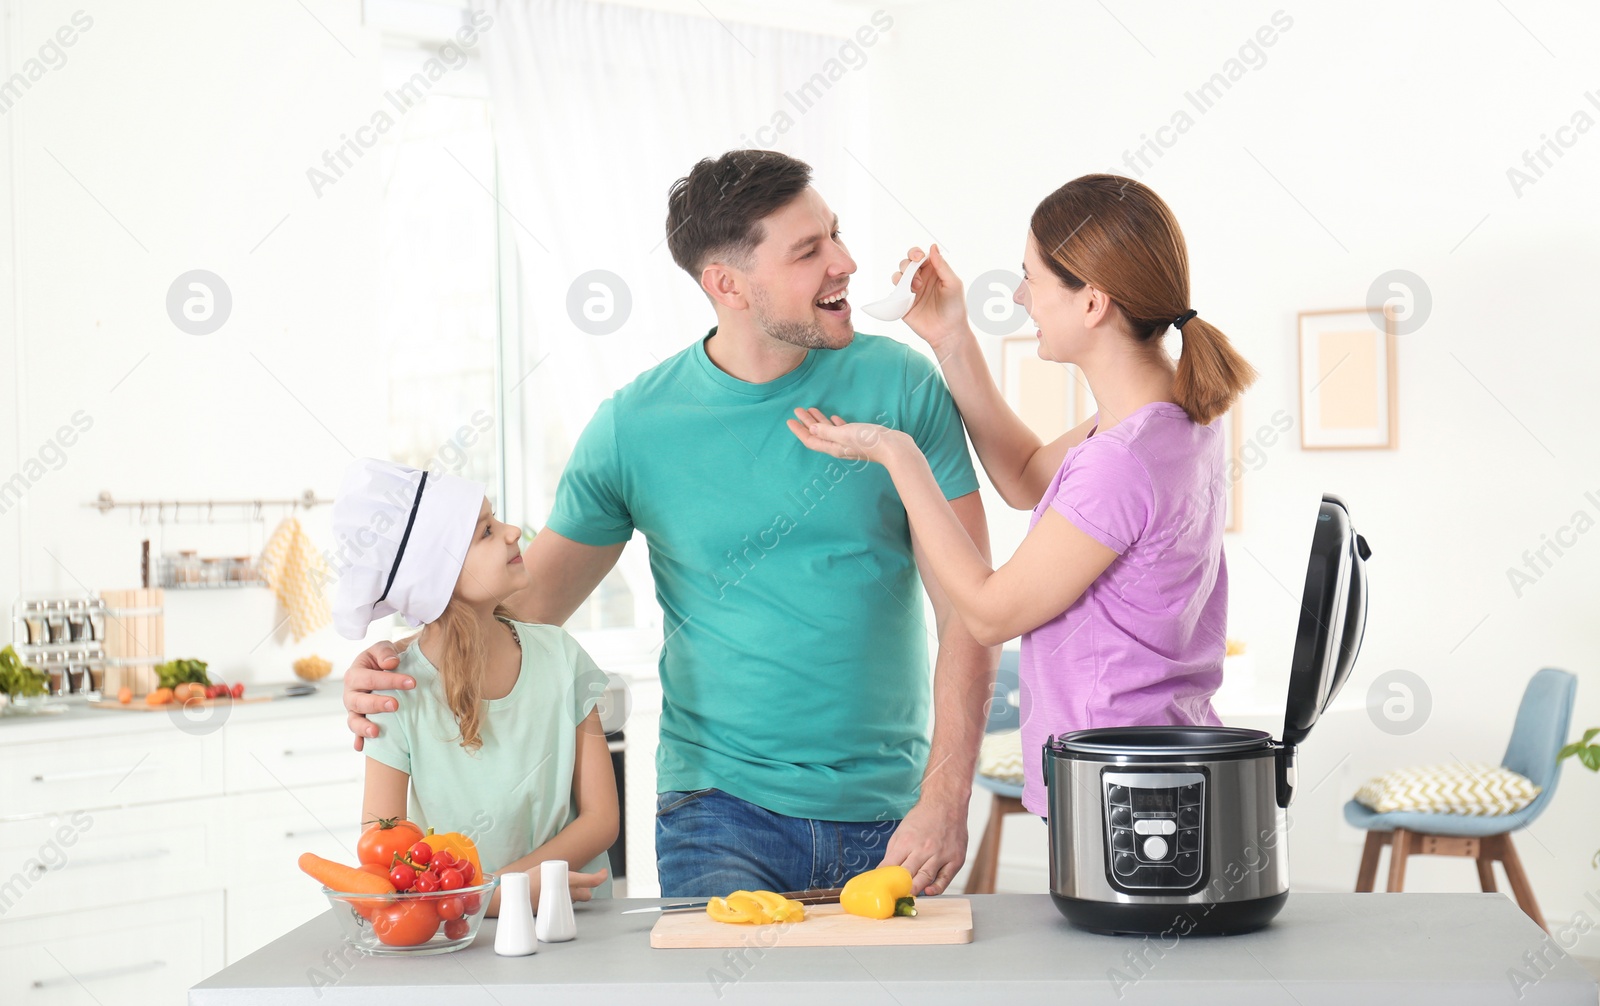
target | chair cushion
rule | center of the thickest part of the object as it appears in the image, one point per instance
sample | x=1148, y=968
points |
x=1473, y=788
x=1000, y=756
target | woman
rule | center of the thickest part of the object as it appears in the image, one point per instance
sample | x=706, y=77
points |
x=1119, y=590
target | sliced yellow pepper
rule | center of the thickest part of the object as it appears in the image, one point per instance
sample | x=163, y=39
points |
x=721, y=911
x=755, y=908
x=879, y=894
x=771, y=903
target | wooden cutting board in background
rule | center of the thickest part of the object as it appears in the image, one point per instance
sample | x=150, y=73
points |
x=139, y=704
x=938, y=920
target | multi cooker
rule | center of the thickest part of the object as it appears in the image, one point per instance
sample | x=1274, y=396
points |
x=1179, y=830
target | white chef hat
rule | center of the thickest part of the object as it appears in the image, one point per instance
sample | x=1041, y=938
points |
x=402, y=538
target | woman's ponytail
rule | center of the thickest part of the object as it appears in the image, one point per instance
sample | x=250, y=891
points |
x=1211, y=373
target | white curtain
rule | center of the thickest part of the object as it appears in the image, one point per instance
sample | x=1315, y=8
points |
x=598, y=108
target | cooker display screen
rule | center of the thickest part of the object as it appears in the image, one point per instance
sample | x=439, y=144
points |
x=1155, y=801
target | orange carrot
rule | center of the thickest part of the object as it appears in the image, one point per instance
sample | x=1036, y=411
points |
x=345, y=879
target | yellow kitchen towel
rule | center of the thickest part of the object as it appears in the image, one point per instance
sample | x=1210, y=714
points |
x=295, y=572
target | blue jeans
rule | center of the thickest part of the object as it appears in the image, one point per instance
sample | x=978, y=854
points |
x=709, y=843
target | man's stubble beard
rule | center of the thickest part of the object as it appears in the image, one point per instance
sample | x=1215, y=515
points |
x=806, y=334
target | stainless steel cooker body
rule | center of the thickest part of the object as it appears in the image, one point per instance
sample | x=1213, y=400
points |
x=1171, y=831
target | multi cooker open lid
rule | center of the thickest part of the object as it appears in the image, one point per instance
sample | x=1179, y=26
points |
x=1333, y=616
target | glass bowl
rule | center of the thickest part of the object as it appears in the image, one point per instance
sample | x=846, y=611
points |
x=411, y=923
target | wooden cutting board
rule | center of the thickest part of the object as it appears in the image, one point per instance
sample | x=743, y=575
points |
x=938, y=920
x=139, y=704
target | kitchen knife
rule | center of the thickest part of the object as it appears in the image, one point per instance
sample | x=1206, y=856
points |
x=820, y=896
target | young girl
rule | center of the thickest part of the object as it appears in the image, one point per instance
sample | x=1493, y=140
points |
x=1119, y=589
x=500, y=739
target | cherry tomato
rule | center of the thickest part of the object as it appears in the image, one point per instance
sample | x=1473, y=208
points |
x=457, y=929
x=422, y=854
x=426, y=883
x=452, y=908
x=474, y=902
x=444, y=859
x=405, y=923
x=402, y=877
x=238, y=690
x=450, y=880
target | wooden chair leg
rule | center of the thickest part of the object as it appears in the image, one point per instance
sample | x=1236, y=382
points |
x=1399, y=848
x=986, y=863
x=1520, y=888
x=1486, y=874
x=1368, y=873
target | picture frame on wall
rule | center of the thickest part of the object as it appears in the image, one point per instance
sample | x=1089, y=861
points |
x=1051, y=398
x=1348, y=386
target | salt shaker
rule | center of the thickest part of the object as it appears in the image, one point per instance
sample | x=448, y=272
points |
x=513, y=933
x=556, y=924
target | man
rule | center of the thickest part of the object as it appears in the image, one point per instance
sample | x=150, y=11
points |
x=794, y=747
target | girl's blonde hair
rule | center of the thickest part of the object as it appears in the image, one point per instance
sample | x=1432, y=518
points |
x=463, y=655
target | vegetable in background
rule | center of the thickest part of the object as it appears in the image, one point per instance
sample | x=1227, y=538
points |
x=181, y=672
x=18, y=679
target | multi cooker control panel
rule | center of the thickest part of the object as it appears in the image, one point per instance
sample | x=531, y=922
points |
x=1155, y=829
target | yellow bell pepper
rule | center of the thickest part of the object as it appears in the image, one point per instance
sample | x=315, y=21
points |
x=757, y=908
x=879, y=894
x=459, y=846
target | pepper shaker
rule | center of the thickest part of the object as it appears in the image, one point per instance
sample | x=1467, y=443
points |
x=513, y=933
x=555, y=924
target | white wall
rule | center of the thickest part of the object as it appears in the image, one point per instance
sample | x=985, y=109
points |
x=175, y=137
x=1393, y=129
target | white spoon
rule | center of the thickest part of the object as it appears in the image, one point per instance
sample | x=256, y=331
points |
x=900, y=299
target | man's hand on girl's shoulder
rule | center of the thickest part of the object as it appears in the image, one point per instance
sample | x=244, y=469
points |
x=372, y=671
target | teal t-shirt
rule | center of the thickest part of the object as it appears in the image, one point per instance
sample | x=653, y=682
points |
x=794, y=670
x=514, y=793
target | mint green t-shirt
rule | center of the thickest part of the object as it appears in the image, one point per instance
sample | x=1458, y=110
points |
x=514, y=793
x=795, y=664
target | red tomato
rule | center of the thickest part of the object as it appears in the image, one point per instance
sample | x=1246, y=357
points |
x=474, y=902
x=384, y=839
x=427, y=883
x=406, y=923
x=457, y=929
x=444, y=859
x=402, y=877
x=422, y=854
x=452, y=908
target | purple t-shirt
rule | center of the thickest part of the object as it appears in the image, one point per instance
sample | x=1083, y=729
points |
x=1144, y=643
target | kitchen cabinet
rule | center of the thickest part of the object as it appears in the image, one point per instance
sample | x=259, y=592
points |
x=149, y=851
x=143, y=952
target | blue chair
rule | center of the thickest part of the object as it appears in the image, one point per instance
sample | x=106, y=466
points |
x=1543, y=719
x=1007, y=796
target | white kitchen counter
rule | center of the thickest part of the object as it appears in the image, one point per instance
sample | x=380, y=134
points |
x=79, y=720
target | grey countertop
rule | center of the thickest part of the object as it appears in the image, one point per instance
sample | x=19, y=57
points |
x=1332, y=949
